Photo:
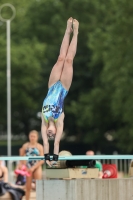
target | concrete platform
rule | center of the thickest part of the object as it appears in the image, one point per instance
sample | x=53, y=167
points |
x=85, y=189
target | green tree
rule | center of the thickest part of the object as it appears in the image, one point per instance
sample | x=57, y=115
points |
x=99, y=103
x=111, y=43
x=25, y=70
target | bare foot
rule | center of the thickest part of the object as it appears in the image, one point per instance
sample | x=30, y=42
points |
x=75, y=26
x=69, y=25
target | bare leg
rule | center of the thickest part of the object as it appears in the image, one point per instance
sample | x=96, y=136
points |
x=67, y=73
x=28, y=187
x=37, y=175
x=57, y=69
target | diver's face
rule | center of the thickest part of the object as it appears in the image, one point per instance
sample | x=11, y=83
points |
x=51, y=132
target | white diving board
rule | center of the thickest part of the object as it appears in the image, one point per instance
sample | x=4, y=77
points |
x=74, y=157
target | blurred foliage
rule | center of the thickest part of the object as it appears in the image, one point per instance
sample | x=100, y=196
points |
x=98, y=108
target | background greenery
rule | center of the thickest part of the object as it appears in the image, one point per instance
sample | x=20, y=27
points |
x=99, y=106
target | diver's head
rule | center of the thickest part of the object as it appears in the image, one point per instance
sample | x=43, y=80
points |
x=51, y=131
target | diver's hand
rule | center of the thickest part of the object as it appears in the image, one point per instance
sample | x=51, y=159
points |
x=48, y=163
x=54, y=163
x=47, y=159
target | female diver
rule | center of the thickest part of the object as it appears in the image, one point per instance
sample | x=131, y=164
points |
x=59, y=83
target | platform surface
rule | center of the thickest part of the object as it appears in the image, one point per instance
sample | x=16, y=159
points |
x=72, y=173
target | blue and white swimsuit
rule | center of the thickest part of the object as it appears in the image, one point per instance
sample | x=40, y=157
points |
x=31, y=152
x=54, y=101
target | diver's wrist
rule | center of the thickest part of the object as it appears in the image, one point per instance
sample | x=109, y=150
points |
x=55, y=157
x=47, y=156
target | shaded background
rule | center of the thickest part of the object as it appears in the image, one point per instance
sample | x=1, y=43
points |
x=99, y=106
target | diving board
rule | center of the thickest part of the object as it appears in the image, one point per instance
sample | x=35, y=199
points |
x=74, y=157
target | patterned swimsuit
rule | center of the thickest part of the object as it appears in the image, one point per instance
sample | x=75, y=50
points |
x=54, y=101
x=31, y=152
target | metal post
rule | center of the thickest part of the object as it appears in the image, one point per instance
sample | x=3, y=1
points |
x=8, y=94
x=8, y=82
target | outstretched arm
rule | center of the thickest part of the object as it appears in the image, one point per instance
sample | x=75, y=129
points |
x=58, y=137
x=45, y=140
x=59, y=132
x=59, y=126
x=44, y=136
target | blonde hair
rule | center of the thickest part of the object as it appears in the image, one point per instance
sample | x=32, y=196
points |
x=34, y=131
